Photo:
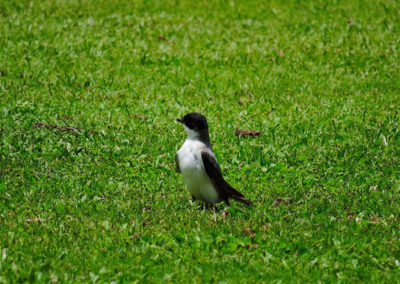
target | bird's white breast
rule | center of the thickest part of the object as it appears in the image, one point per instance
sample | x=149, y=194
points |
x=192, y=168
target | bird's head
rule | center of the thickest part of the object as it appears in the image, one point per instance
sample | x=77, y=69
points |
x=195, y=124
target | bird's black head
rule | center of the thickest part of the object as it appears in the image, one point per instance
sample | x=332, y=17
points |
x=194, y=121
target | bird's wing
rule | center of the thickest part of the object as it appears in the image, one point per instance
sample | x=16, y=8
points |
x=178, y=169
x=214, y=173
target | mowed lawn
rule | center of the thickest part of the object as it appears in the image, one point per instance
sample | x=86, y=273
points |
x=89, y=94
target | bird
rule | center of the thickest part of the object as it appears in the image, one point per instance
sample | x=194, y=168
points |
x=197, y=163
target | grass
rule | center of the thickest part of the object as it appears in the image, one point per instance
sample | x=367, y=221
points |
x=95, y=197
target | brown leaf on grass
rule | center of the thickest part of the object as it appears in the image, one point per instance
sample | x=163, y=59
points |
x=350, y=22
x=249, y=231
x=240, y=102
x=242, y=132
x=56, y=127
x=281, y=53
x=278, y=202
x=161, y=38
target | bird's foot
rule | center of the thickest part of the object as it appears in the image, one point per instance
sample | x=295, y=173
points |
x=209, y=206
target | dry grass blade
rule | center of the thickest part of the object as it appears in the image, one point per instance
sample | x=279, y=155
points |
x=56, y=127
x=34, y=220
x=249, y=231
x=242, y=132
x=140, y=116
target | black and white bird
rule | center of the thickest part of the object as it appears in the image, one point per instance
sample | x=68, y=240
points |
x=199, y=166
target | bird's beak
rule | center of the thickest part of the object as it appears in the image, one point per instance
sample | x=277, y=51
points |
x=180, y=120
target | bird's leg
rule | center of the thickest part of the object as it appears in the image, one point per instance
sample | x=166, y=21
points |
x=205, y=206
x=211, y=207
x=214, y=208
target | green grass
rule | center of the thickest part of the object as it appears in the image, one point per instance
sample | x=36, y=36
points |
x=103, y=203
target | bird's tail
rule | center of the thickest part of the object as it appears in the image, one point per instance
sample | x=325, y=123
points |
x=236, y=195
x=241, y=200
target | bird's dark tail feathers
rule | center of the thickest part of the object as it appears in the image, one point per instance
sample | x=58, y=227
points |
x=241, y=200
x=236, y=195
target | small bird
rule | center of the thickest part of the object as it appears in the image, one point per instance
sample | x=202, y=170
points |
x=199, y=167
